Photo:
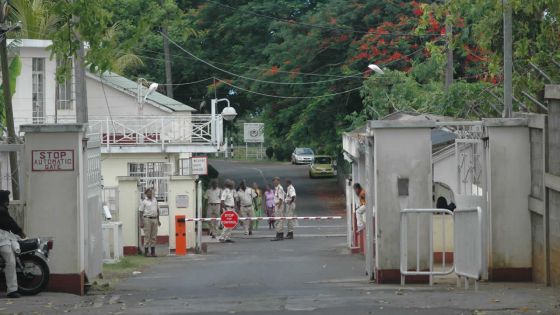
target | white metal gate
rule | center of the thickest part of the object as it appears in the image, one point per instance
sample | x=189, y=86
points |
x=94, y=208
x=472, y=189
x=467, y=244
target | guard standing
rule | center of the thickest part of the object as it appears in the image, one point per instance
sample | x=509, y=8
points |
x=149, y=221
x=246, y=209
x=213, y=201
x=227, y=204
x=279, y=196
x=290, y=207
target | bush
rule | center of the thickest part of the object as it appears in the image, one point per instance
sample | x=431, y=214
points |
x=269, y=152
x=283, y=153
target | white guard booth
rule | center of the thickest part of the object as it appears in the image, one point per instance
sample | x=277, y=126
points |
x=62, y=176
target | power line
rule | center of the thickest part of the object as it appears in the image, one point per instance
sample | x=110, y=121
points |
x=325, y=27
x=292, y=72
x=288, y=97
x=188, y=83
x=249, y=78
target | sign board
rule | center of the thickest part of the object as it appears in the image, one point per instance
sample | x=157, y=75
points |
x=52, y=160
x=253, y=132
x=199, y=165
x=182, y=201
x=229, y=219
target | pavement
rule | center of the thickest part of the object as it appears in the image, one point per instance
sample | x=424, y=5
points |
x=312, y=274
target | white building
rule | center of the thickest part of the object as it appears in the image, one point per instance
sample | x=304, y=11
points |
x=148, y=145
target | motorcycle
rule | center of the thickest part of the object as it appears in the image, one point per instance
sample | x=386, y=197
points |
x=31, y=265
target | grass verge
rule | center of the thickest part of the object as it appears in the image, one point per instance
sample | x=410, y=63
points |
x=126, y=267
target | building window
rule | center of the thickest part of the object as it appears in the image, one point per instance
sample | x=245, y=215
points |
x=63, y=91
x=153, y=175
x=38, y=92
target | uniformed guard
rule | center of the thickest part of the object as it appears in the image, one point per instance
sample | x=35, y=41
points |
x=290, y=202
x=245, y=198
x=227, y=204
x=279, y=197
x=149, y=221
x=213, y=198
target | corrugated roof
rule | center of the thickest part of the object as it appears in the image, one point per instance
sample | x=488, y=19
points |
x=129, y=86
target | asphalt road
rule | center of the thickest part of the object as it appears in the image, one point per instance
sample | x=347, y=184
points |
x=315, y=196
x=312, y=274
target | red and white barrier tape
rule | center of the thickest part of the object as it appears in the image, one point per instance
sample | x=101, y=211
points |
x=265, y=218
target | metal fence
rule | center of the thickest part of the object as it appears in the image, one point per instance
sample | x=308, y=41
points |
x=418, y=269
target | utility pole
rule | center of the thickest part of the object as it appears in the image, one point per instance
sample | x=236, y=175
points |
x=80, y=78
x=167, y=60
x=508, y=60
x=449, y=67
x=4, y=29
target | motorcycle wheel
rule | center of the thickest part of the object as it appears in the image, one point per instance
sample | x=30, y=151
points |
x=35, y=275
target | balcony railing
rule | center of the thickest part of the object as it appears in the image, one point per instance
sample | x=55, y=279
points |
x=122, y=131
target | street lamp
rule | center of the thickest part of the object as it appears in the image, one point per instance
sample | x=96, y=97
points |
x=229, y=113
x=376, y=68
x=143, y=98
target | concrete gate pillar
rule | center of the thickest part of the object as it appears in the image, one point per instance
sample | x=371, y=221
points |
x=56, y=193
x=509, y=187
x=402, y=156
x=552, y=181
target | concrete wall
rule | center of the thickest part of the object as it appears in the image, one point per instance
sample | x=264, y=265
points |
x=402, y=150
x=509, y=189
x=552, y=210
x=128, y=207
x=536, y=206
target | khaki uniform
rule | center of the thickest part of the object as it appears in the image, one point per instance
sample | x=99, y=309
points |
x=246, y=206
x=149, y=209
x=279, y=196
x=213, y=196
x=290, y=206
x=228, y=197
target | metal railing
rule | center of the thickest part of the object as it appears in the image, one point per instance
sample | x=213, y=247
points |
x=145, y=130
x=468, y=245
x=419, y=270
x=193, y=129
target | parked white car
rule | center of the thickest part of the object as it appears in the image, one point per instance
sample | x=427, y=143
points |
x=302, y=156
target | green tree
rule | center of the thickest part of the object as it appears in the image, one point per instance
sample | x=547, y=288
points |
x=14, y=70
x=36, y=16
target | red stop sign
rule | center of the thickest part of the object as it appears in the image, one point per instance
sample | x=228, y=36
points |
x=229, y=219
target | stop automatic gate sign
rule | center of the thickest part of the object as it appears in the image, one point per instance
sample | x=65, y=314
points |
x=229, y=219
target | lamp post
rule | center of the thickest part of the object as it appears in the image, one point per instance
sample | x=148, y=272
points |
x=228, y=114
x=142, y=98
x=376, y=68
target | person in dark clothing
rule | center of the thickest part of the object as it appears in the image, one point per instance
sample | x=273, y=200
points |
x=8, y=224
x=441, y=203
